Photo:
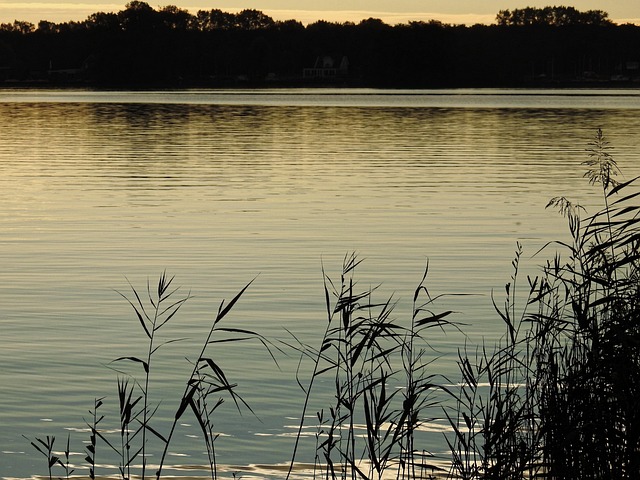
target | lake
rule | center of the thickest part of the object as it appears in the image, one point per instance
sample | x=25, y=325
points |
x=103, y=189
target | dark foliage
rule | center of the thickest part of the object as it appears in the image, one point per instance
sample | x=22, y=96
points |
x=558, y=396
x=141, y=46
x=555, y=16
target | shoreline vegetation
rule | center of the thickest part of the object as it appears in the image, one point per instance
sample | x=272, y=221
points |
x=169, y=47
x=556, y=396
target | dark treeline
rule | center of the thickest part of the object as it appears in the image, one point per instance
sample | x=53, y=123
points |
x=169, y=46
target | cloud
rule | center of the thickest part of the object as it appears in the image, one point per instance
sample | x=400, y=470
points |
x=391, y=18
x=622, y=21
x=53, y=12
x=62, y=12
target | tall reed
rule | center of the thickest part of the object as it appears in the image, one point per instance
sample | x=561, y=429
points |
x=494, y=414
x=95, y=433
x=161, y=308
x=559, y=395
x=420, y=384
x=352, y=352
x=588, y=335
x=205, y=389
x=378, y=368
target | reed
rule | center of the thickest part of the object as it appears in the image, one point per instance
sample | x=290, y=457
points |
x=208, y=379
x=382, y=386
x=160, y=308
x=588, y=335
x=419, y=383
x=494, y=416
x=354, y=352
x=95, y=433
x=205, y=389
x=562, y=400
x=45, y=447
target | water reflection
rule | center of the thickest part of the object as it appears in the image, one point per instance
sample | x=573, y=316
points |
x=97, y=186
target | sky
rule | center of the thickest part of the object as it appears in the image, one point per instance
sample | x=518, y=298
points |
x=307, y=11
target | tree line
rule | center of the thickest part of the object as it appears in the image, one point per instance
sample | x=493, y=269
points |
x=169, y=46
x=555, y=16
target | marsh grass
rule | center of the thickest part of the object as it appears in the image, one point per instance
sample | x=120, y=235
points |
x=94, y=429
x=45, y=446
x=494, y=415
x=557, y=396
x=588, y=335
x=382, y=386
x=206, y=388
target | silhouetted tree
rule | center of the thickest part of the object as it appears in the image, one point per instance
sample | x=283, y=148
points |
x=18, y=26
x=215, y=19
x=138, y=16
x=7, y=55
x=373, y=23
x=554, y=16
x=103, y=21
x=253, y=20
x=47, y=27
x=176, y=18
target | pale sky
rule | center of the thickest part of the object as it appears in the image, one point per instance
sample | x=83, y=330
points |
x=307, y=11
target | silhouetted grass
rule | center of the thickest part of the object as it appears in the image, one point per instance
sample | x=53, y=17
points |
x=563, y=394
x=205, y=389
x=494, y=416
x=588, y=335
x=383, y=389
x=557, y=396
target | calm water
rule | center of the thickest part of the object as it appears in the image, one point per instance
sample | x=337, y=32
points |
x=98, y=189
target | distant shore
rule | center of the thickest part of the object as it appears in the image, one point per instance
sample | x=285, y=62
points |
x=300, y=83
x=141, y=48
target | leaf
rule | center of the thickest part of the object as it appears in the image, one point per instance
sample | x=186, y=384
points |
x=105, y=440
x=156, y=433
x=625, y=210
x=199, y=416
x=217, y=371
x=184, y=403
x=229, y=340
x=467, y=420
x=433, y=318
x=135, y=359
x=174, y=340
x=236, y=330
x=625, y=199
x=222, y=312
x=140, y=318
x=620, y=186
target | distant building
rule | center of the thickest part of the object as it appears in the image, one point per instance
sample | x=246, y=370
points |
x=325, y=69
x=67, y=75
